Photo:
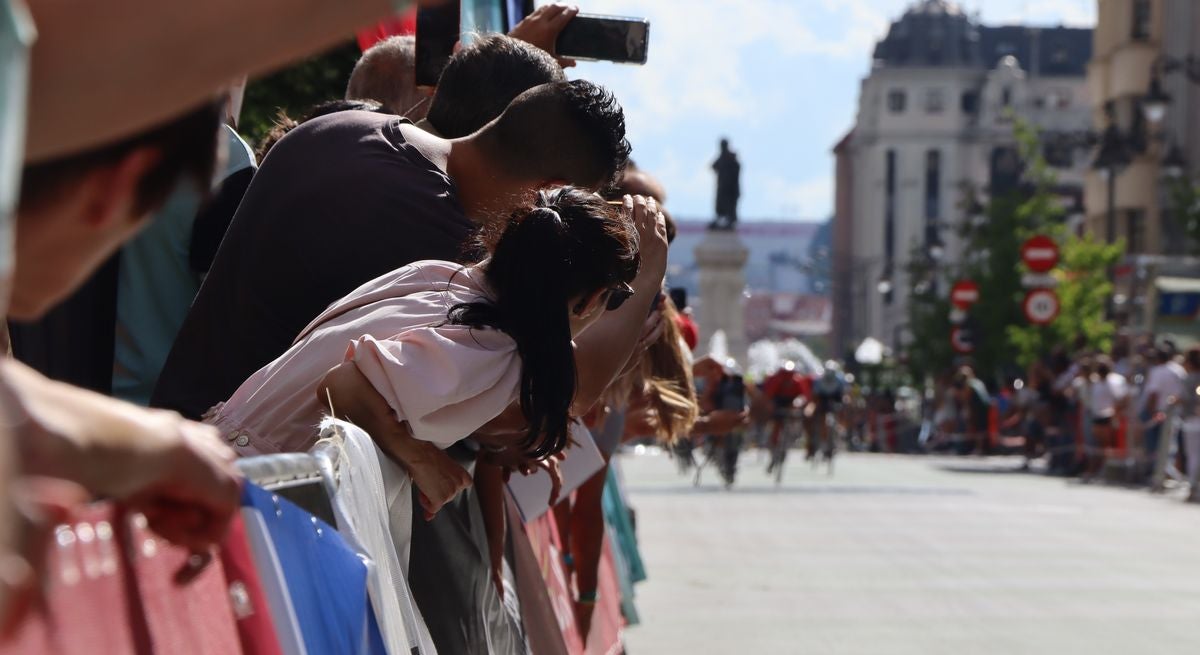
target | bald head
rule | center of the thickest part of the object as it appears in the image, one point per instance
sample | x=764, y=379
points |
x=386, y=73
x=568, y=132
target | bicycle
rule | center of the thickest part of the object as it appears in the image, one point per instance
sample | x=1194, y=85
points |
x=790, y=431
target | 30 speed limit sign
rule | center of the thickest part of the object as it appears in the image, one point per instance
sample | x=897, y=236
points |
x=1041, y=306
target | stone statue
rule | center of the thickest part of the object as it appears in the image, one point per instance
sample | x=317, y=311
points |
x=728, y=188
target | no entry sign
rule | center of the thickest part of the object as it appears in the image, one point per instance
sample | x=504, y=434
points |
x=1041, y=306
x=964, y=294
x=1040, y=254
x=962, y=341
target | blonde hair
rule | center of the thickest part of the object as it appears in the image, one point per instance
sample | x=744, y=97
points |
x=663, y=380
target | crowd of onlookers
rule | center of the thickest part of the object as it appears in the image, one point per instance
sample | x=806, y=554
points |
x=1129, y=415
x=472, y=274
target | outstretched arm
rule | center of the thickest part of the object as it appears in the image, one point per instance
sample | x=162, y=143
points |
x=602, y=351
x=136, y=46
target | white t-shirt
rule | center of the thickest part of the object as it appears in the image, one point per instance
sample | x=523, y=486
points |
x=1163, y=381
x=1106, y=394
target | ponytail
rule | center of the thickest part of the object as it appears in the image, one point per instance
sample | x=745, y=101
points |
x=570, y=245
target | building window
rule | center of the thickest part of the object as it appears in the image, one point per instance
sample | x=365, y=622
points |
x=970, y=102
x=1006, y=96
x=1140, y=25
x=935, y=101
x=933, y=185
x=1058, y=153
x=1135, y=231
x=897, y=100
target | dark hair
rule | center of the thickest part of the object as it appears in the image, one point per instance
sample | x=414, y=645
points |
x=284, y=123
x=482, y=79
x=1193, y=357
x=188, y=146
x=571, y=244
x=572, y=131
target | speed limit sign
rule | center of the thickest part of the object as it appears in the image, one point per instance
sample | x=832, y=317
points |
x=1041, y=306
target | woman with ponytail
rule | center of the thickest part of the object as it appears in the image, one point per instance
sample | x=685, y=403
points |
x=450, y=347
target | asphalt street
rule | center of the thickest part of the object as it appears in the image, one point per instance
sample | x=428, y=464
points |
x=902, y=554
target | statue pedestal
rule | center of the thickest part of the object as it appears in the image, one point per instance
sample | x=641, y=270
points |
x=721, y=260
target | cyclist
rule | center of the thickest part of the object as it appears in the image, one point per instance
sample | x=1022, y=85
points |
x=786, y=389
x=828, y=392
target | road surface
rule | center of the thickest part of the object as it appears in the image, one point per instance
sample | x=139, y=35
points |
x=920, y=555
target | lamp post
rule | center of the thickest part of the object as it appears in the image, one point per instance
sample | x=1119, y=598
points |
x=1111, y=158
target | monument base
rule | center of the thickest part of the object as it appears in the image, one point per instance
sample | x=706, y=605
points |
x=721, y=261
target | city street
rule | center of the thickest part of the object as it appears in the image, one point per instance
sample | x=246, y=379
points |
x=916, y=555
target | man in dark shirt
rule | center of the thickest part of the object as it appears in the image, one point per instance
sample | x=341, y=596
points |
x=347, y=197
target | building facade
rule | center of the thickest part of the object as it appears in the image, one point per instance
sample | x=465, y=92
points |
x=935, y=118
x=1136, y=43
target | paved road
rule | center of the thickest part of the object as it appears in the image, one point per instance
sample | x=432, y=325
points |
x=898, y=555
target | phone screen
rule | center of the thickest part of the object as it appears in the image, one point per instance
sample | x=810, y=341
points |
x=437, y=32
x=605, y=38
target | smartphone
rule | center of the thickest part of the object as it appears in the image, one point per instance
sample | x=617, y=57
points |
x=438, y=29
x=605, y=38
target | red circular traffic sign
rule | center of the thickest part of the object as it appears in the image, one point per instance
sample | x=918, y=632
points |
x=962, y=341
x=1040, y=254
x=964, y=294
x=1041, y=306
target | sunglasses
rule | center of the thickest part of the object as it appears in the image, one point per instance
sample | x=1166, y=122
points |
x=617, y=296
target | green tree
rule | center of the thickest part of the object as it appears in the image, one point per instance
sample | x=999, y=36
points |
x=295, y=89
x=992, y=259
x=1083, y=291
x=1185, y=206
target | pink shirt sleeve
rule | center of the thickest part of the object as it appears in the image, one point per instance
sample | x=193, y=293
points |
x=445, y=381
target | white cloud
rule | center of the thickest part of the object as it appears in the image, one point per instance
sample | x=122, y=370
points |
x=698, y=62
x=809, y=199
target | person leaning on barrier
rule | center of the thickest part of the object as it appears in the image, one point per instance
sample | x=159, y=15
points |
x=73, y=213
x=350, y=196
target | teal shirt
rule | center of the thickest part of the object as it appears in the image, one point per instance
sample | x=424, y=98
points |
x=16, y=35
x=156, y=284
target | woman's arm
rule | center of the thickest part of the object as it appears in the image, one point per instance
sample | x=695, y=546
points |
x=436, y=474
x=489, y=488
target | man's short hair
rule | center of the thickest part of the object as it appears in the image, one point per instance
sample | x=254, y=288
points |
x=482, y=79
x=188, y=147
x=386, y=73
x=572, y=132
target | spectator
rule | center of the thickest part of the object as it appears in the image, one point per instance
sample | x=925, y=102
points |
x=1189, y=404
x=73, y=213
x=1109, y=392
x=386, y=73
x=481, y=80
x=975, y=403
x=352, y=195
x=137, y=46
x=1164, y=384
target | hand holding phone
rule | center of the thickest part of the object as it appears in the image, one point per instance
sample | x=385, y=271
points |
x=605, y=38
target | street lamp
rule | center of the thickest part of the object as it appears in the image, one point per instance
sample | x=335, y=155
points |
x=1175, y=163
x=1111, y=159
x=1156, y=101
x=885, y=284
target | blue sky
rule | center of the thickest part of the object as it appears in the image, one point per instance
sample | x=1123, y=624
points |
x=780, y=78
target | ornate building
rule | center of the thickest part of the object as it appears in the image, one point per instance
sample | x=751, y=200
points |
x=935, y=117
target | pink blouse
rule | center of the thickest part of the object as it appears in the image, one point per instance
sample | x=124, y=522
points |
x=445, y=381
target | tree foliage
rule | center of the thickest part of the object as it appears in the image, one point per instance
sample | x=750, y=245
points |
x=295, y=89
x=992, y=259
